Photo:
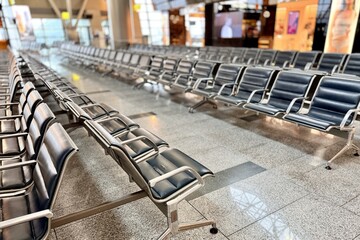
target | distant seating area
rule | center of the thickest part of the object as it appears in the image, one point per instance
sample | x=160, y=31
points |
x=283, y=84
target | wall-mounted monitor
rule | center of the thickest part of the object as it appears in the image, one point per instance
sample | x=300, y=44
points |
x=228, y=24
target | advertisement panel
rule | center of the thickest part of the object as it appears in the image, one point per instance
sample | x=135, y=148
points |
x=342, y=26
x=23, y=21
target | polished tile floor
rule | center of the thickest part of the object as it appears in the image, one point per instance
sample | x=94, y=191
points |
x=270, y=181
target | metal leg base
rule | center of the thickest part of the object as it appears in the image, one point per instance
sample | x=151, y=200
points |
x=189, y=226
x=349, y=145
x=202, y=102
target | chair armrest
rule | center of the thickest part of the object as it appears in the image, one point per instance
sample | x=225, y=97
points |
x=198, y=81
x=335, y=69
x=285, y=64
x=17, y=165
x=10, y=117
x=181, y=75
x=346, y=117
x=308, y=66
x=292, y=103
x=12, y=194
x=13, y=135
x=253, y=94
x=164, y=72
x=26, y=218
x=113, y=118
x=154, y=181
x=223, y=87
x=250, y=61
x=8, y=104
x=266, y=63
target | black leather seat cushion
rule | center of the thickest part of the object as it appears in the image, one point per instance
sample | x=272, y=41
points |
x=99, y=110
x=138, y=148
x=12, y=146
x=15, y=178
x=9, y=126
x=18, y=206
x=165, y=162
x=309, y=121
x=264, y=108
x=117, y=124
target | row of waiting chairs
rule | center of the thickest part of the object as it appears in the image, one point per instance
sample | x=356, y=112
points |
x=331, y=99
x=166, y=175
x=33, y=155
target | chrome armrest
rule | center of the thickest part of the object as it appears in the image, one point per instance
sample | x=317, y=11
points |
x=308, y=66
x=10, y=117
x=223, y=87
x=267, y=61
x=253, y=94
x=250, y=61
x=26, y=218
x=8, y=104
x=12, y=194
x=154, y=181
x=346, y=117
x=17, y=165
x=181, y=75
x=164, y=72
x=335, y=69
x=13, y=135
x=199, y=80
x=292, y=103
x=285, y=64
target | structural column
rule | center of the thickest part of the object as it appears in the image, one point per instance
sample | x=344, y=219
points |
x=119, y=22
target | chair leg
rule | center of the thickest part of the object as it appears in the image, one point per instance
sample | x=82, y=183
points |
x=174, y=226
x=202, y=102
x=106, y=73
x=349, y=145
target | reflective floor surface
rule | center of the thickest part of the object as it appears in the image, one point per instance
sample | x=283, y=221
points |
x=270, y=181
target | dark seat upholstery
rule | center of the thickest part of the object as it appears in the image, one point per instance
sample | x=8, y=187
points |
x=183, y=72
x=284, y=58
x=227, y=76
x=53, y=157
x=335, y=96
x=167, y=161
x=288, y=85
x=330, y=60
x=254, y=78
x=352, y=65
x=201, y=70
x=266, y=57
x=14, y=144
x=169, y=71
x=304, y=58
x=249, y=57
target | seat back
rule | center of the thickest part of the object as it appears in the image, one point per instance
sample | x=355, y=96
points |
x=254, y=78
x=203, y=69
x=352, y=65
x=134, y=61
x=119, y=57
x=334, y=97
x=101, y=53
x=112, y=55
x=106, y=54
x=170, y=64
x=97, y=51
x=92, y=52
x=252, y=54
x=126, y=58
x=303, y=58
x=266, y=56
x=42, y=118
x=145, y=60
x=329, y=60
x=289, y=85
x=284, y=57
x=227, y=73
